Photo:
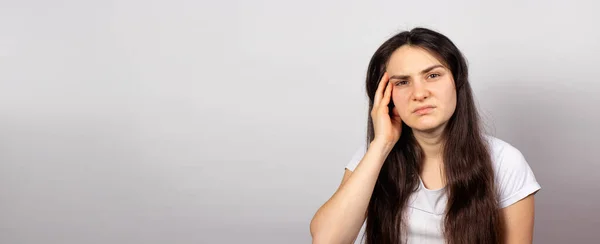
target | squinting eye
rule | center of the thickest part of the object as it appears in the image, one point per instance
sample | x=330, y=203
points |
x=434, y=75
x=400, y=83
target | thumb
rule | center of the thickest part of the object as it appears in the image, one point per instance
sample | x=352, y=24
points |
x=396, y=115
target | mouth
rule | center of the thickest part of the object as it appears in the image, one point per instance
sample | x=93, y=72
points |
x=424, y=109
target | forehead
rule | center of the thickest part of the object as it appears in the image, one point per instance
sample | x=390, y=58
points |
x=410, y=60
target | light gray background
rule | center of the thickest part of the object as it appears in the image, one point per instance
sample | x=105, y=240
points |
x=231, y=121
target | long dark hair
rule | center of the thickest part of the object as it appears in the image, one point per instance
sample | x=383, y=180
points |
x=472, y=212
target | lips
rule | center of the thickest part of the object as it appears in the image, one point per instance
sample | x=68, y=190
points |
x=423, y=109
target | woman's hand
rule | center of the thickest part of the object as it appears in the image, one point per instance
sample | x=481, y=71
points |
x=387, y=128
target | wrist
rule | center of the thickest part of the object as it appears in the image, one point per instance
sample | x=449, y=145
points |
x=383, y=147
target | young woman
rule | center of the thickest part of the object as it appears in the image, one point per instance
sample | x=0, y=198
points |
x=427, y=172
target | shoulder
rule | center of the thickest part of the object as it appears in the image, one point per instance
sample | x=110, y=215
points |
x=505, y=157
x=504, y=153
x=514, y=177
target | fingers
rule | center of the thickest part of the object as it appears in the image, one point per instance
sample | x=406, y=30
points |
x=387, y=95
x=380, y=89
x=396, y=116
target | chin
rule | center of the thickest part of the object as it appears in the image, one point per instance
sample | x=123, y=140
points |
x=425, y=128
x=425, y=125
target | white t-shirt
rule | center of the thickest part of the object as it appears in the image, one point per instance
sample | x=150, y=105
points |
x=426, y=207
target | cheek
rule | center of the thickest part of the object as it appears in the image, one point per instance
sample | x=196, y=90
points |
x=453, y=101
x=400, y=102
x=397, y=99
x=450, y=98
x=444, y=90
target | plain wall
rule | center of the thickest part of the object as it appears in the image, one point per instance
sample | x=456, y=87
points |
x=231, y=121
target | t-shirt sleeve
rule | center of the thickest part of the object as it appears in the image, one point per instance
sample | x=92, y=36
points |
x=356, y=157
x=514, y=176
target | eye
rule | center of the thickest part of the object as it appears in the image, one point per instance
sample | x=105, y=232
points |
x=434, y=75
x=401, y=83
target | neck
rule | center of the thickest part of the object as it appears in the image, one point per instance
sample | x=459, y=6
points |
x=431, y=143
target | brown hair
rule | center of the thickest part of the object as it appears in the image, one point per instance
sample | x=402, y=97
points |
x=472, y=212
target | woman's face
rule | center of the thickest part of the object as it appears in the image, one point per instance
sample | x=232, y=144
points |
x=423, y=92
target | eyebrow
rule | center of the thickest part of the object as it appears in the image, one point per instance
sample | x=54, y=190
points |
x=402, y=77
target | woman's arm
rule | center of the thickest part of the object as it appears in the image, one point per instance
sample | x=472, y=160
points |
x=518, y=221
x=340, y=218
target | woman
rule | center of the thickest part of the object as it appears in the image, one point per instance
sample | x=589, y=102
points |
x=428, y=173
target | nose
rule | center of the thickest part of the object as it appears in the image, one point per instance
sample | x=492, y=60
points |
x=420, y=91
